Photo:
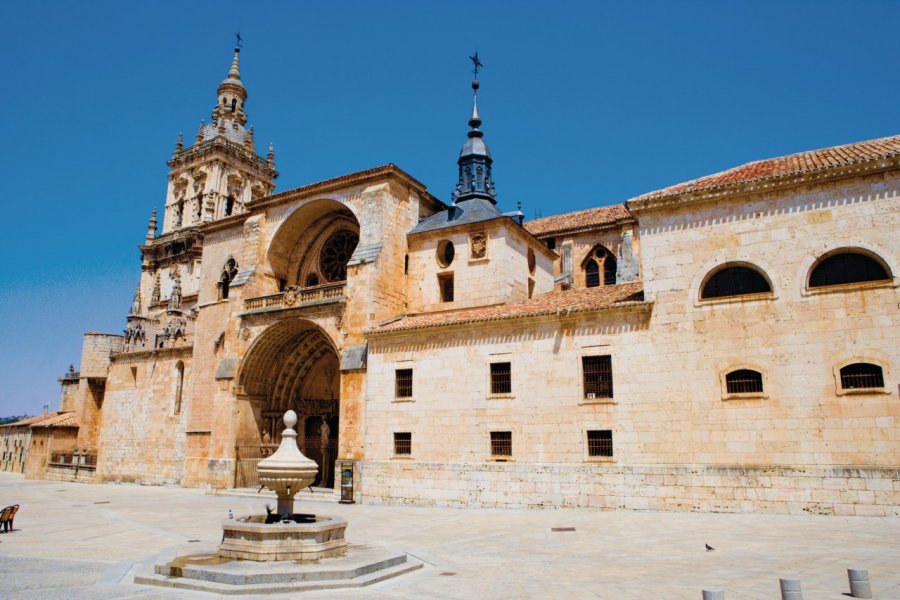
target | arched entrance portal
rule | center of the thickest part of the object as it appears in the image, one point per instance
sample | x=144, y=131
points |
x=293, y=365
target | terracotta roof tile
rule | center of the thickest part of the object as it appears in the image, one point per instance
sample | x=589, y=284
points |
x=785, y=166
x=568, y=301
x=580, y=219
x=63, y=419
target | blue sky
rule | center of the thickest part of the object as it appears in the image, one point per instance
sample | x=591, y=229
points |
x=584, y=104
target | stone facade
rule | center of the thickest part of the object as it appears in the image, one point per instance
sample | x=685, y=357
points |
x=457, y=356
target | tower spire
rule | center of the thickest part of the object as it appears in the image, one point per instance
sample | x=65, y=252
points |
x=475, y=157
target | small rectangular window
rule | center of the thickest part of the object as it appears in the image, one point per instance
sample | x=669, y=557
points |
x=445, y=282
x=597, y=373
x=600, y=442
x=402, y=443
x=551, y=243
x=501, y=378
x=404, y=383
x=501, y=443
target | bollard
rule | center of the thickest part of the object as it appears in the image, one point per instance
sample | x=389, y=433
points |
x=714, y=594
x=790, y=589
x=859, y=583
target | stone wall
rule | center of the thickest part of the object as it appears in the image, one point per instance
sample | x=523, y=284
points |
x=142, y=437
x=845, y=491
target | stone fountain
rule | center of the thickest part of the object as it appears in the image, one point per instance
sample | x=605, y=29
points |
x=281, y=551
x=285, y=535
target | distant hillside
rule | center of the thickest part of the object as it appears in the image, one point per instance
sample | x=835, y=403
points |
x=5, y=420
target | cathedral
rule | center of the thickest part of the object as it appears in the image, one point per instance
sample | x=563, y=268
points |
x=725, y=344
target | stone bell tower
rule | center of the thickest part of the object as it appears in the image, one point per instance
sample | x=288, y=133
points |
x=221, y=172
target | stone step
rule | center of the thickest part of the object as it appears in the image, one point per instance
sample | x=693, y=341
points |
x=287, y=576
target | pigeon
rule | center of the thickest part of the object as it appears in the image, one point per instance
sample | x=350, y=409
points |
x=709, y=548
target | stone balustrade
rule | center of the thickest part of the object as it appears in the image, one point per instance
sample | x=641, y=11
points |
x=295, y=295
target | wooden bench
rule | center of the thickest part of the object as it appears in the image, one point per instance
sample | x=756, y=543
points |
x=7, y=515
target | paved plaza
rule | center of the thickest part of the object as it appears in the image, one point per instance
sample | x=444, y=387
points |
x=79, y=541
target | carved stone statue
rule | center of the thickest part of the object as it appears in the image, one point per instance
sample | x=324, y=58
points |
x=154, y=296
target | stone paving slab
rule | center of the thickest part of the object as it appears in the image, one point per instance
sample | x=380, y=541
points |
x=83, y=541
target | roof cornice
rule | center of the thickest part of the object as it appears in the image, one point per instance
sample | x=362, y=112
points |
x=389, y=170
x=658, y=201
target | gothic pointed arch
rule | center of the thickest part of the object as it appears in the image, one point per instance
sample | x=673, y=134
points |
x=599, y=266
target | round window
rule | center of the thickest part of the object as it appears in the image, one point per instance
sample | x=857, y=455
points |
x=445, y=253
x=336, y=254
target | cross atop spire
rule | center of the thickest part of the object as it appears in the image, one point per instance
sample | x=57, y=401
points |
x=475, y=157
x=237, y=42
x=476, y=64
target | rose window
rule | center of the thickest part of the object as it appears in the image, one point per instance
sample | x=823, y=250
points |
x=336, y=254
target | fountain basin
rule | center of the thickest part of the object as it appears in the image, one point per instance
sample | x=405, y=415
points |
x=253, y=539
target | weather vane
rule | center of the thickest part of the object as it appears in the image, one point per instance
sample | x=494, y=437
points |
x=476, y=64
x=237, y=40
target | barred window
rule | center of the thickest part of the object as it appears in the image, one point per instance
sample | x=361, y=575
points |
x=404, y=383
x=846, y=267
x=501, y=443
x=861, y=376
x=597, y=373
x=735, y=281
x=402, y=443
x=744, y=381
x=445, y=283
x=501, y=378
x=600, y=442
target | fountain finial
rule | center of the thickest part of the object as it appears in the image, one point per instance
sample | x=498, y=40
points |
x=287, y=471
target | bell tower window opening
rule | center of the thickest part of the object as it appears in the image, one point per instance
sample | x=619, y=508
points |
x=233, y=104
x=599, y=262
x=229, y=205
x=336, y=254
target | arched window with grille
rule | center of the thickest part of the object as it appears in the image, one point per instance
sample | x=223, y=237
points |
x=847, y=266
x=861, y=376
x=599, y=267
x=734, y=280
x=743, y=381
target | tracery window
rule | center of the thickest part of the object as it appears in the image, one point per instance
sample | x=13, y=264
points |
x=336, y=254
x=847, y=266
x=599, y=267
x=735, y=280
x=228, y=274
